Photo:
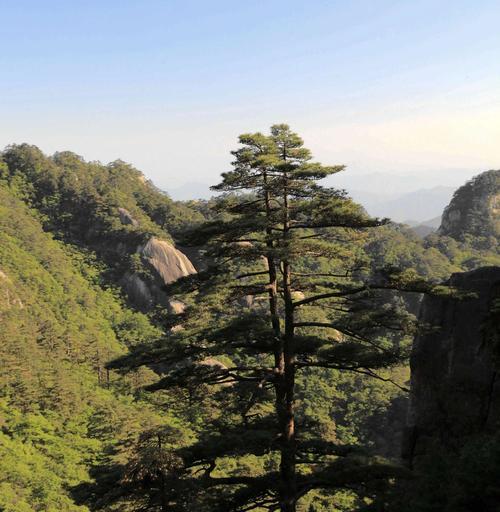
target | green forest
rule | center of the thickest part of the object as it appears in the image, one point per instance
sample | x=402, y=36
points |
x=268, y=368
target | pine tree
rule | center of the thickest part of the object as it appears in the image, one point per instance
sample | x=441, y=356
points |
x=280, y=235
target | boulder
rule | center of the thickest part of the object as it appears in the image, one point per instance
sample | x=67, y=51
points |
x=126, y=217
x=170, y=263
x=298, y=295
x=138, y=291
x=167, y=264
x=176, y=307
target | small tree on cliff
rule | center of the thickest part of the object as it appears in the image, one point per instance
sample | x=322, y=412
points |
x=278, y=234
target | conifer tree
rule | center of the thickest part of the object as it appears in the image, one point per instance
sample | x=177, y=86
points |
x=281, y=236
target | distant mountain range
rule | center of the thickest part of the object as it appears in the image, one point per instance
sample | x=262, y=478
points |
x=413, y=206
x=414, y=198
x=426, y=227
x=191, y=190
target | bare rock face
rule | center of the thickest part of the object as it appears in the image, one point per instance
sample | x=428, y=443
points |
x=138, y=291
x=167, y=264
x=455, y=384
x=126, y=217
x=176, y=307
x=170, y=263
x=209, y=369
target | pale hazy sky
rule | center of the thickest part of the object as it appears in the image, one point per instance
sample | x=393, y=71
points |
x=403, y=87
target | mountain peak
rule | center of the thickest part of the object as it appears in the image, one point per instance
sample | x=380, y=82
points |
x=474, y=210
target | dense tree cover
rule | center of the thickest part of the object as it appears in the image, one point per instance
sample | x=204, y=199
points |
x=472, y=215
x=75, y=436
x=398, y=246
x=70, y=323
x=79, y=203
x=60, y=410
x=301, y=246
x=464, y=254
x=464, y=479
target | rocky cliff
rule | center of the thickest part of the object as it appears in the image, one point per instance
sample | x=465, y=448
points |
x=166, y=265
x=455, y=386
x=474, y=209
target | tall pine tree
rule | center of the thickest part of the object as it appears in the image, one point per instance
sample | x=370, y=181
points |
x=287, y=291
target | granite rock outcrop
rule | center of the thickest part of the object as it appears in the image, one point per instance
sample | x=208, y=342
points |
x=455, y=377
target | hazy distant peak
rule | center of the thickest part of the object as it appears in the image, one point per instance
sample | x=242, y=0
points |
x=192, y=190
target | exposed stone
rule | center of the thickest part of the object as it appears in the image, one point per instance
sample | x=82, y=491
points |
x=474, y=209
x=208, y=367
x=126, y=217
x=137, y=290
x=197, y=256
x=8, y=296
x=298, y=295
x=176, y=307
x=170, y=263
x=210, y=362
x=167, y=264
x=455, y=388
x=495, y=204
x=451, y=218
x=216, y=366
x=213, y=363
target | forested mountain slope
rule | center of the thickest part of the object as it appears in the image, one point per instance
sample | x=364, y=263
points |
x=60, y=411
x=86, y=250
x=108, y=209
x=474, y=212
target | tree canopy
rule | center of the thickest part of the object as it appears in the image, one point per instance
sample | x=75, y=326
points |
x=293, y=251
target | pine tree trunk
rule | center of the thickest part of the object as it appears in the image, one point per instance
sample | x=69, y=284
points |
x=288, y=454
x=273, y=278
x=288, y=451
x=163, y=490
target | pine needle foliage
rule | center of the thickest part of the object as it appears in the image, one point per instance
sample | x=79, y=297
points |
x=288, y=292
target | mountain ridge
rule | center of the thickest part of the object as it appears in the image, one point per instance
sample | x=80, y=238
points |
x=74, y=235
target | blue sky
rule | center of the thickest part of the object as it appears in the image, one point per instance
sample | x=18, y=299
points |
x=402, y=87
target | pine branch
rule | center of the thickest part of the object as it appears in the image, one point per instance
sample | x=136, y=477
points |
x=251, y=274
x=329, y=295
x=355, y=369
